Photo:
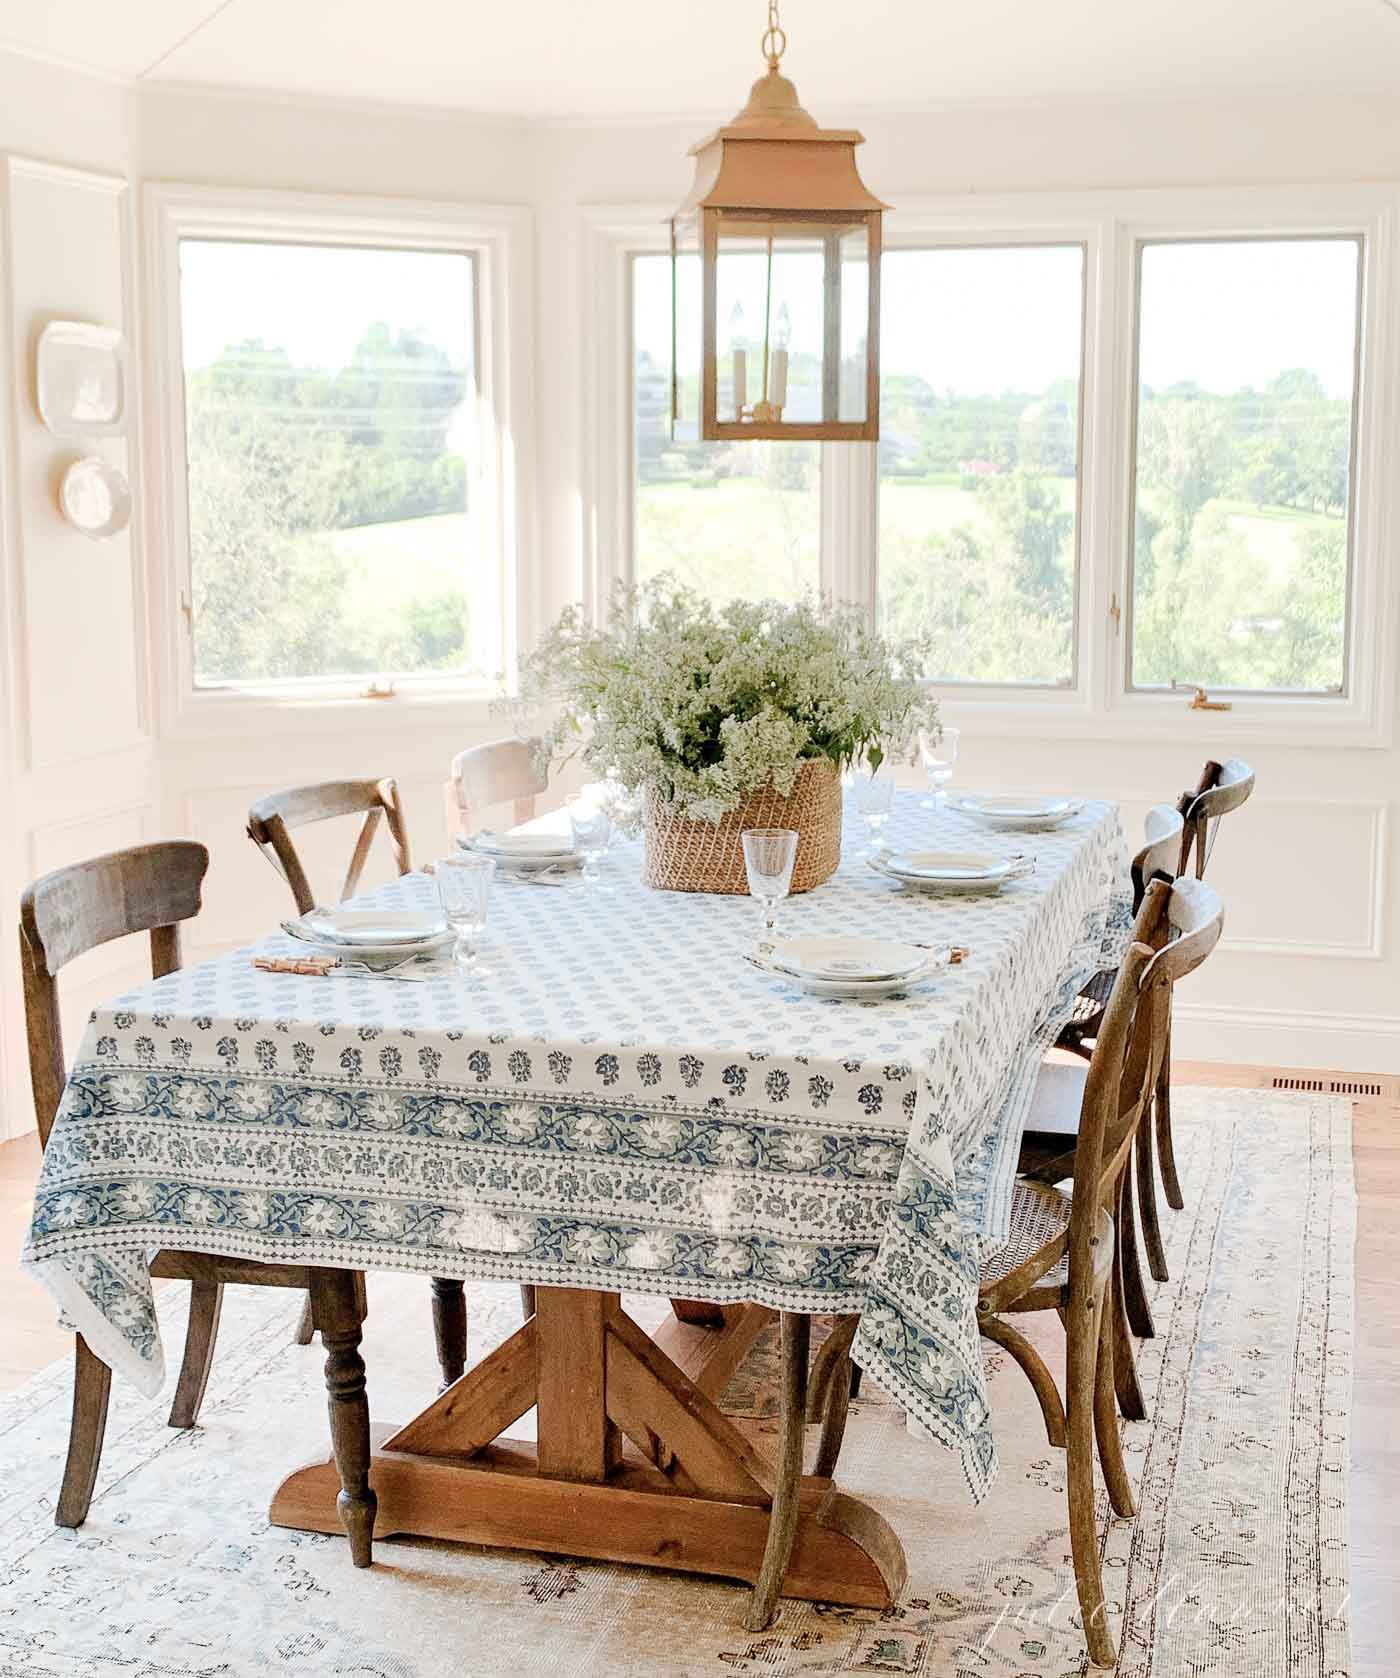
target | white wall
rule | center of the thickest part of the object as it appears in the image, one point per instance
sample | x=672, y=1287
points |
x=1313, y=974
x=77, y=760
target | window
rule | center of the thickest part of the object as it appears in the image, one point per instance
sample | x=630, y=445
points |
x=725, y=518
x=1245, y=420
x=978, y=457
x=330, y=437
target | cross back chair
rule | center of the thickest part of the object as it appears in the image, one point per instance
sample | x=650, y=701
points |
x=1062, y=1257
x=500, y=772
x=270, y=824
x=154, y=889
x=271, y=820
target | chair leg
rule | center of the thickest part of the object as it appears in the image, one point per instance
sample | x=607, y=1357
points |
x=206, y=1302
x=527, y=1298
x=1115, y=1470
x=306, y=1324
x=1001, y=1333
x=832, y=1363
x=338, y=1300
x=92, y=1383
x=1125, y=1376
x=450, y=1327
x=1162, y=1118
x=1134, y=1289
x=1079, y=1478
x=1146, y=1173
x=782, y=1518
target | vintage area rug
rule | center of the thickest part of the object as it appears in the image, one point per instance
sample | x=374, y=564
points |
x=1236, y=1564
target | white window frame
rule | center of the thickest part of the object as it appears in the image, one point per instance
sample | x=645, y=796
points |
x=498, y=240
x=1109, y=226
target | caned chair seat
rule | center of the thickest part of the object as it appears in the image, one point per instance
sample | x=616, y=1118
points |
x=1039, y=1214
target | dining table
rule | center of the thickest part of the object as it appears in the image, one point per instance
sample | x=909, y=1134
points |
x=621, y=1103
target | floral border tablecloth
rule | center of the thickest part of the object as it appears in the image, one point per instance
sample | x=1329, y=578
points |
x=625, y=1104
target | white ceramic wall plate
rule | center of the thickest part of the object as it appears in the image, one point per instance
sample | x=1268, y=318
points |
x=95, y=498
x=81, y=379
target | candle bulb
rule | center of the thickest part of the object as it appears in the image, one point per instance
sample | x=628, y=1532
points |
x=778, y=378
x=741, y=383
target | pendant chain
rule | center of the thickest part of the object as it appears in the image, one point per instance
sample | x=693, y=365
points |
x=774, y=43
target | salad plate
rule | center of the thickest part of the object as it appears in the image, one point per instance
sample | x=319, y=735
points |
x=370, y=931
x=863, y=960
x=1029, y=815
x=853, y=990
x=524, y=851
x=952, y=873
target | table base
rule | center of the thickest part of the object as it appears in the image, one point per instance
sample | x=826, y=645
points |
x=634, y=1460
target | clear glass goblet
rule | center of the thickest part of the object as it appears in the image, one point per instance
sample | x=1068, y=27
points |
x=769, y=853
x=591, y=826
x=464, y=889
x=938, y=748
x=874, y=795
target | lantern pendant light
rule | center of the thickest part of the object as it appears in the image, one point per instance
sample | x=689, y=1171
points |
x=775, y=277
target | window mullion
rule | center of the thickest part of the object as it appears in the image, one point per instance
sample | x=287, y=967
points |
x=848, y=522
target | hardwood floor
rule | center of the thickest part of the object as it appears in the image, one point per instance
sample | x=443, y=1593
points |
x=29, y=1338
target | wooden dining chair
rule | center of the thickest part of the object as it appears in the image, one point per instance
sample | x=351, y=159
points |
x=271, y=822
x=272, y=819
x=500, y=772
x=1061, y=1257
x=154, y=889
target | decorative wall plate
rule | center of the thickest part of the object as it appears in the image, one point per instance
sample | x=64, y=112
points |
x=95, y=498
x=81, y=379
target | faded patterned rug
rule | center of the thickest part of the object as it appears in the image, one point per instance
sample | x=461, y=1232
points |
x=1236, y=1564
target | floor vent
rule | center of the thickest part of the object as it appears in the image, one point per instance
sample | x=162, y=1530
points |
x=1286, y=1083
x=1340, y=1086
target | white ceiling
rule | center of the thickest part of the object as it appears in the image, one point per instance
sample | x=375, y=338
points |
x=601, y=58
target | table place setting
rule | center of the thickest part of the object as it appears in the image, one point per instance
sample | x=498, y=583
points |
x=951, y=873
x=1017, y=814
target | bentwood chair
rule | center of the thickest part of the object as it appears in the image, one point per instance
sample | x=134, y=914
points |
x=1061, y=1257
x=154, y=889
x=270, y=824
x=500, y=772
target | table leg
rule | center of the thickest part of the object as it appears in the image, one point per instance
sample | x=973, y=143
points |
x=634, y=1462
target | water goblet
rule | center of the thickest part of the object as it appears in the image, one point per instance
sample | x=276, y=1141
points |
x=938, y=749
x=874, y=794
x=464, y=889
x=769, y=853
x=591, y=827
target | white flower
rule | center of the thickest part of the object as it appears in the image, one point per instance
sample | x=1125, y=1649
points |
x=733, y=1146
x=191, y=1101
x=253, y=1209
x=320, y=1108
x=588, y=1246
x=253, y=1100
x=881, y=1326
x=875, y=1159
x=383, y=1111
x=128, y=1090
x=589, y=1130
x=793, y=1264
x=652, y=1250
x=658, y=1133
x=730, y=1258
x=136, y=1200
x=201, y=1208
x=800, y=1153
x=127, y=1311
x=520, y=1122
x=70, y=1209
x=384, y=1219
x=321, y=1217
x=488, y=1232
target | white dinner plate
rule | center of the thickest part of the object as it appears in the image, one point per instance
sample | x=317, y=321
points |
x=1032, y=815
x=869, y=960
x=524, y=850
x=951, y=873
x=356, y=927
x=342, y=947
x=854, y=990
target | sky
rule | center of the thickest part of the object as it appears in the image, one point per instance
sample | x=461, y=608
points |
x=1227, y=314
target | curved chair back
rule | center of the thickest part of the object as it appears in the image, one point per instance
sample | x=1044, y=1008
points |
x=1159, y=856
x=1223, y=787
x=500, y=772
x=149, y=888
x=271, y=820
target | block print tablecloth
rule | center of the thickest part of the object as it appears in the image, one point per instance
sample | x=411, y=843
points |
x=625, y=1105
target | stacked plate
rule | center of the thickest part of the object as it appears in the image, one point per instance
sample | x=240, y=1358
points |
x=524, y=853
x=848, y=967
x=371, y=932
x=952, y=873
x=1028, y=815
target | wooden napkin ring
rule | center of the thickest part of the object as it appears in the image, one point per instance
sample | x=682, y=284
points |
x=316, y=967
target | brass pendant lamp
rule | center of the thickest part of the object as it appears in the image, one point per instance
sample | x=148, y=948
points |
x=775, y=256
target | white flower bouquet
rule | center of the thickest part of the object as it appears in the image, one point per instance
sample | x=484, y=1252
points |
x=705, y=710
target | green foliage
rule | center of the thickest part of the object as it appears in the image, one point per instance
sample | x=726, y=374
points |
x=283, y=457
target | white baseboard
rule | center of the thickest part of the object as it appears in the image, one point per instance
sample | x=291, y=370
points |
x=1285, y=1037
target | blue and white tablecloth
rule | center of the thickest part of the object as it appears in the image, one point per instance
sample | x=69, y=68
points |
x=624, y=1105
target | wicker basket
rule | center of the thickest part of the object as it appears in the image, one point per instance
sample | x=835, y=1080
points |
x=687, y=855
